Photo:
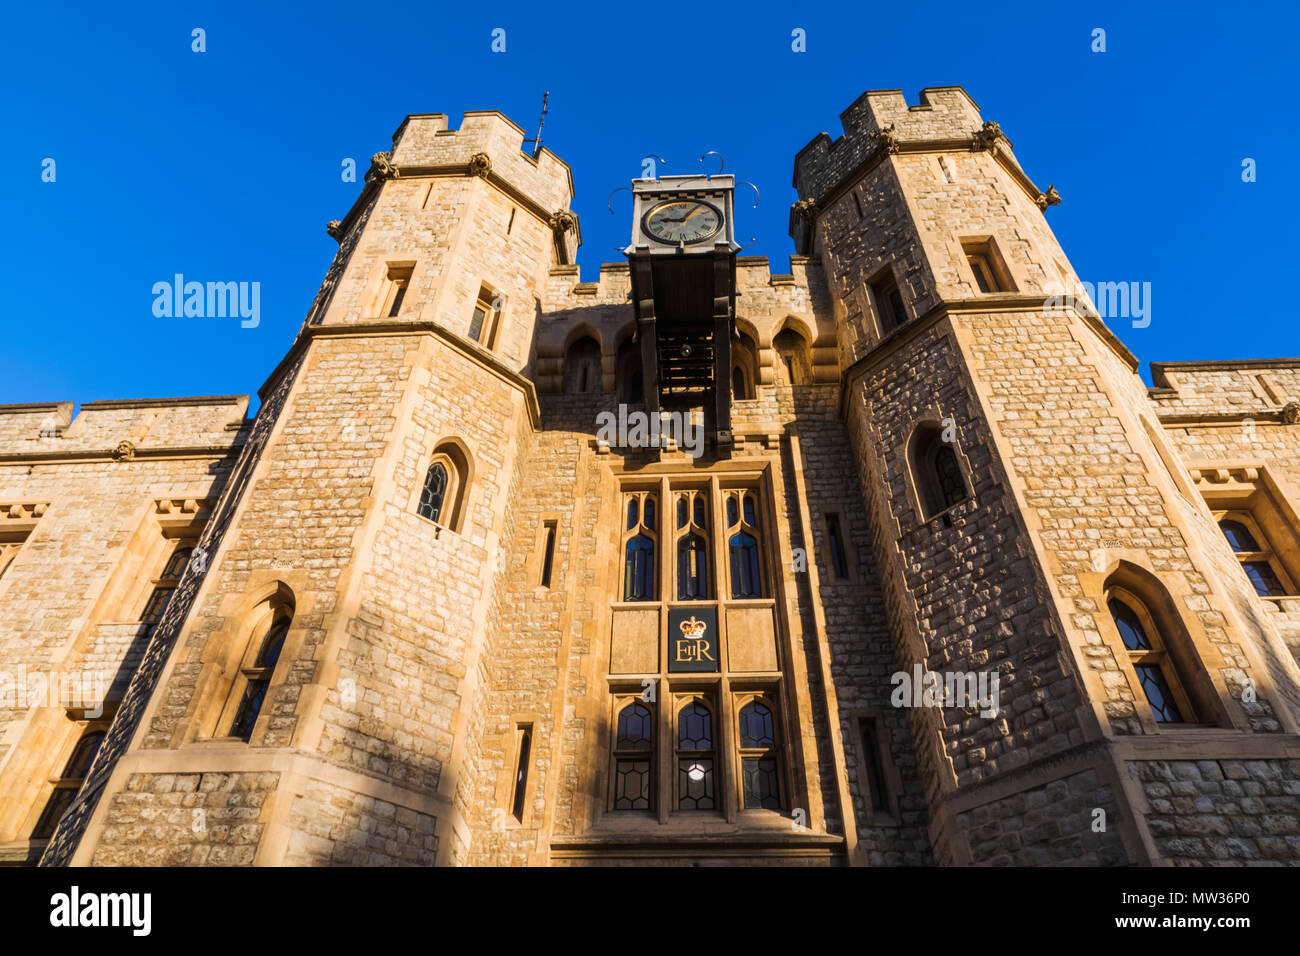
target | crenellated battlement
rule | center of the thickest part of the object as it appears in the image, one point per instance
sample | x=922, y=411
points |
x=426, y=140
x=944, y=113
x=153, y=423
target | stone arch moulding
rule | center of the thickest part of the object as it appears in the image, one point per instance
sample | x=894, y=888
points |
x=1198, y=661
x=267, y=591
x=456, y=452
x=929, y=418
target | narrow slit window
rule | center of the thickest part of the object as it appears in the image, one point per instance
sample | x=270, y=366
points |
x=399, y=279
x=521, y=773
x=889, y=302
x=548, y=554
x=877, y=798
x=839, y=559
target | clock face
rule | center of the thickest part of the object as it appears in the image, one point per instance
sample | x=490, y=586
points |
x=682, y=220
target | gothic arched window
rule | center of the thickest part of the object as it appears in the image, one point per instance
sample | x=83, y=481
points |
x=634, y=758
x=582, y=367
x=435, y=491
x=695, y=760
x=759, y=768
x=936, y=473
x=639, y=548
x=692, y=546
x=627, y=373
x=257, y=678
x=1149, y=657
x=446, y=481
x=742, y=545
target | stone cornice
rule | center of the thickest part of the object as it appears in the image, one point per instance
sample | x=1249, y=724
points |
x=884, y=350
x=474, y=353
x=44, y=457
x=1158, y=369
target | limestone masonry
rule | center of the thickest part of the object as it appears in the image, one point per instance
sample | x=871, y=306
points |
x=420, y=610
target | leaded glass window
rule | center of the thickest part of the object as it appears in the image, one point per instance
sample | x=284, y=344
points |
x=759, y=769
x=634, y=758
x=434, y=493
x=695, y=758
x=1150, y=659
x=258, y=680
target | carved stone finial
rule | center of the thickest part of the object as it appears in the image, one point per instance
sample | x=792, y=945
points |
x=562, y=221
x=125, y=451
x=381, y=168
x=805, y=209
x=988, y=136
x=1291, y=413
x=885, y=138
x=480, y=164
x=335, y=229
x=1049, y=198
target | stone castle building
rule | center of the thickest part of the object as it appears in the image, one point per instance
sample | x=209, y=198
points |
x=426, y=607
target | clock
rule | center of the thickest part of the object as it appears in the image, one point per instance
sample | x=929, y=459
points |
x=684, y=221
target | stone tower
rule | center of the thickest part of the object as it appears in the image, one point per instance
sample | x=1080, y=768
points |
x=413, y=352
x=961, y=324
x=431, y=606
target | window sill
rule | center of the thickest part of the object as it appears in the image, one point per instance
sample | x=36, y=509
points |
x=752, y=828
x=1285, y=603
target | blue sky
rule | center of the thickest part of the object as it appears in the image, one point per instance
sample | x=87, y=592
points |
x=225, y=165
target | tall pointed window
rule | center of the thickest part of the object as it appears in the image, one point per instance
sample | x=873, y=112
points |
x=639, y=540
x=442, y=496
x=1256, y=557
x=936, y=473
x=435, y=491
x=582, y=367
x=695, y=757
x=634, y=758
x=1156, y=673
x=257, y=678
x=692, y=546
x=759, y=770
x=743, y=545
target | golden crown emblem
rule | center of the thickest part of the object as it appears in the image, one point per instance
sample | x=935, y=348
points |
x=693, y=628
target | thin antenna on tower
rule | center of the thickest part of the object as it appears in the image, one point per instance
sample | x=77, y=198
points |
x=537, y=149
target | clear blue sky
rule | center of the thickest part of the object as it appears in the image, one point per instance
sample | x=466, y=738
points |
x=225, y=165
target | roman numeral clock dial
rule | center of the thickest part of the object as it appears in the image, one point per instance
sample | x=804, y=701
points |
x=685, y=221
